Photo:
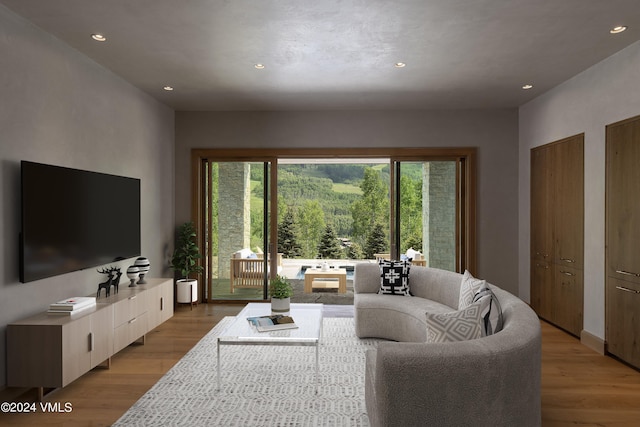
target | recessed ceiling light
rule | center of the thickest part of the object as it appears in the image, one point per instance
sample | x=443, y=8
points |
x=99, y=37
x=399, y=65
x=168, y=88
x=527, y=87
x=258, y=66
x=618, y=29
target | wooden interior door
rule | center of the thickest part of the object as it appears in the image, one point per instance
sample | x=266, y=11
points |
x=622, y=240
x=541, y=176
x=541, y=275
x=623, y=200
x=568, y=202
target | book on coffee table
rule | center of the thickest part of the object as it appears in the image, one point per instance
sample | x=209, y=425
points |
x=272, y=323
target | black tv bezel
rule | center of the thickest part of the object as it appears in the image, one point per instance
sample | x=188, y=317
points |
x=137, y=252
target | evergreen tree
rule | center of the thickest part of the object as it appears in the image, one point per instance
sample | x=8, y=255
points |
x=376, y=242
x=310, y=219
x=373, y=205
x=287, y=243
x=410, y=213
x=354, y=251
x=329, y=247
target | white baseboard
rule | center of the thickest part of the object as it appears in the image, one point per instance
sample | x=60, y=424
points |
x=595, y=343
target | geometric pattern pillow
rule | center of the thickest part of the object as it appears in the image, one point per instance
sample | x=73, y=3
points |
x=394, y=277
x=492, y=320
x=455, y=326
x=468, y=289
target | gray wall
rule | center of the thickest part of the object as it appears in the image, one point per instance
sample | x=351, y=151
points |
x=606, y=93
x=493, y=132
x=59, y=107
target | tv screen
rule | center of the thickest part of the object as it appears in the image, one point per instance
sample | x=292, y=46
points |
x=74, y=219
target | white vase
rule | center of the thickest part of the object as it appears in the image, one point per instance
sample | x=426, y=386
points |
x=187, y=291
x=280, y=305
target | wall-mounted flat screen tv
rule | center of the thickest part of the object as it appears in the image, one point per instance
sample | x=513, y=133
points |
x=74, y=219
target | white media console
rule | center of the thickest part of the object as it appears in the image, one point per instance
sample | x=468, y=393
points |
x=50, y=351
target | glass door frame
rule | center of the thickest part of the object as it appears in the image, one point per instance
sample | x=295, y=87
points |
x=465, y=158
x=200, y=181
x=465, y=207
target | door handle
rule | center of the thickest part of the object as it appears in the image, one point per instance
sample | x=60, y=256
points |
x=624, y=288
x=627, y=273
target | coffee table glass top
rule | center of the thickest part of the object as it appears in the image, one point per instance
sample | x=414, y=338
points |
x=308, y=317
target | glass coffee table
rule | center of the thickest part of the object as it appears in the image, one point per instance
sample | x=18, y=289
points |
x=308, y=317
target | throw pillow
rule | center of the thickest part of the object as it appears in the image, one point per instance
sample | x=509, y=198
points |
x=492, y=319
x=470, y=285
x=455, y=326
x=394, y=277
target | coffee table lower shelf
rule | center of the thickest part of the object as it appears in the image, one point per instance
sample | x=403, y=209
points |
x=308, y=317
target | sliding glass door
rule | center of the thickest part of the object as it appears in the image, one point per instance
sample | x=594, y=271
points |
x=429, y=212
x=268, y=212
x=236, y=219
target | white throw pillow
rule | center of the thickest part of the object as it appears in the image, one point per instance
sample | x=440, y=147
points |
x=468, y=289
x=461, y=325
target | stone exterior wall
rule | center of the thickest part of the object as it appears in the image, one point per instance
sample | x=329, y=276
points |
x=234, y=212
x=439, y=214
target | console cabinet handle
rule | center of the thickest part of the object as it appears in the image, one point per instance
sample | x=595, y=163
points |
x=91, y=343
x=623, y=288
x=567, y=273
x=569, y=260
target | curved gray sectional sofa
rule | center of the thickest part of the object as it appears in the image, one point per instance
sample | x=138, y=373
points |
x=490, y=381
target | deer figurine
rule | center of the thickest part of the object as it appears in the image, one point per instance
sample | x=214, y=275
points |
x=116, y=279
x=106, y=285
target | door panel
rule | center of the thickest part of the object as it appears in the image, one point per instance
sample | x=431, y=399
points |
x=237, y=213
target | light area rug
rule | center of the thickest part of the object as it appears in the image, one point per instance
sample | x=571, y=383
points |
x=262, y=385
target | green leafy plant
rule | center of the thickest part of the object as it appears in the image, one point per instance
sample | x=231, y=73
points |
x=280, y=288
x=186, y=254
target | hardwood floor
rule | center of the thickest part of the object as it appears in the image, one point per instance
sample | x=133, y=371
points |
x=579, y=386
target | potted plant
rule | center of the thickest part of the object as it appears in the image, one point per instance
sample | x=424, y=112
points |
x=185, y=260
x=281, y=292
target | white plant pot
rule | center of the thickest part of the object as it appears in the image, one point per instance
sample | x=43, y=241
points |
x=187, y=291
x=280, y=305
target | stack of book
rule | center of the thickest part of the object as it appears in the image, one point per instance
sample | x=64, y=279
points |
x=272, y=323
x=72, y=306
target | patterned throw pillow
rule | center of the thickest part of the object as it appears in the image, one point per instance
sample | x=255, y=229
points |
x=455, y=326
x=394, y=277
x=469, y=287
x=491, y=312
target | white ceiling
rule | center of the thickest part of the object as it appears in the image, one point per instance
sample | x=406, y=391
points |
x=340, y=54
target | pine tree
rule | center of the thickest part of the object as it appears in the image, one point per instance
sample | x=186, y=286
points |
x=376, y=242
x=354, y=251
x=287, y=243
x=329, y=247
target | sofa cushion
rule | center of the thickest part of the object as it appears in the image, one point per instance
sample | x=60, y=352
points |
x=394, y=277
x=243, y=253
x=461, y=325
x=394, y=318
x=469, y=287
x=491, y=313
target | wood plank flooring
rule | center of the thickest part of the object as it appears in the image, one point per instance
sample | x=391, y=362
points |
x=579, y=386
